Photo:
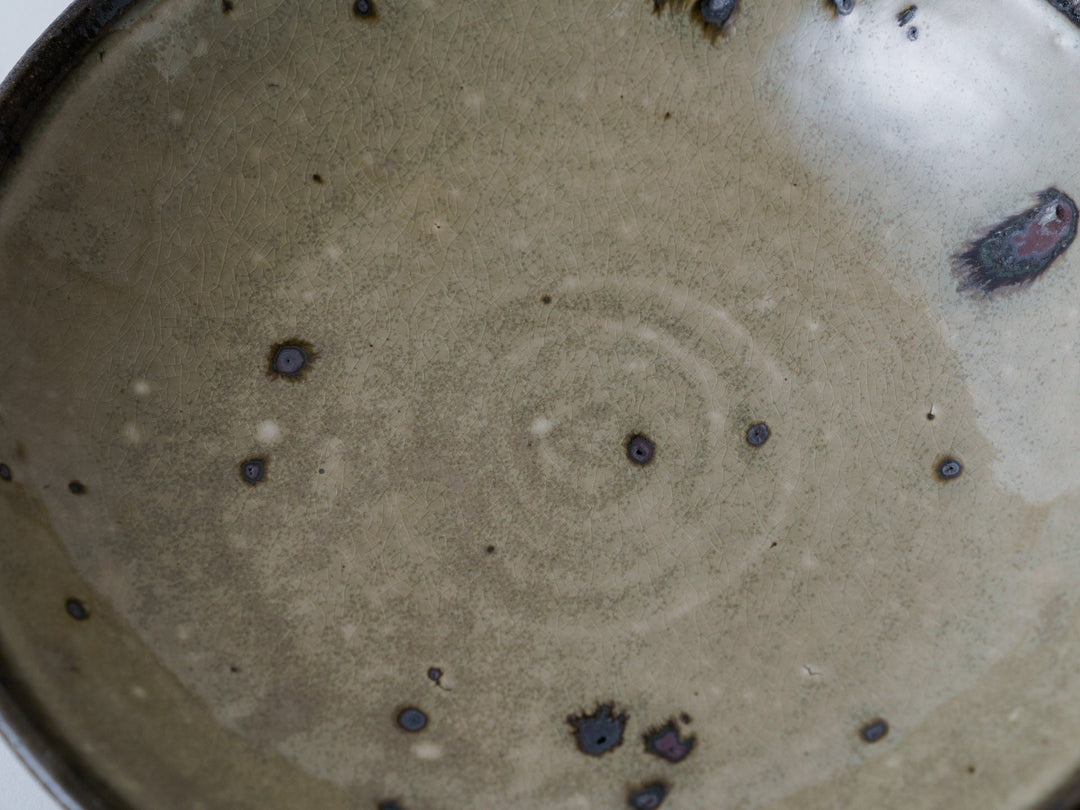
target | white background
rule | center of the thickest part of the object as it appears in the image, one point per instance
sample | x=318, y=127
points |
x=21, y=22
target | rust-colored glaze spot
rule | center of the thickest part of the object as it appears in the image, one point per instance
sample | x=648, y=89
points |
x=666, y=743
x=1020, y=248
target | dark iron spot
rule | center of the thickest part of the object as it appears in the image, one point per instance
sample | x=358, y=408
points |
x=971, y=769
x=1020, y=248
x=1069, y=8
x=599, y=732
x=317, y=178
x=389, y=804
x=913, y=33
x=234, y=669
x=640, y=449
x=949, y=468
x=930, y=416
x=291, y=359
x=77, y=610
x=685, y=718
x=5, y=472
x=365, y=9
x=844, y=7
x=435, y=674
x=757, y=434
x=648, y=797
x=77, y=488
x=252, y=470
x=873, y=731
x=666, y=743
x=412, y=719
x=226, y=6
x=490, y=549
x=546, y=299
x=717, y=12
x=906, y=16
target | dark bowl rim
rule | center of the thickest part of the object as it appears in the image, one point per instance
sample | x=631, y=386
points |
x=42, y=69
x=23, y=95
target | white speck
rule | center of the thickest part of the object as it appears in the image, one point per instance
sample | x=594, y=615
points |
x=139, y=692
x=348, y=632
x=1014, y=715
x=427, y=750
x=647, y=333
x=635, y=366
x=813, y=326
x=268, y=432
x=333, y=251
x=541, y=426
x=474, y=99
x=141, y=388
x=183, y=632
x=132, y=434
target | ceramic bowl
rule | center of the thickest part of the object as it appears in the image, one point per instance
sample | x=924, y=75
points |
x=621, y=403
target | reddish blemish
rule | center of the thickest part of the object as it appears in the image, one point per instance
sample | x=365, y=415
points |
x=1043, y=233
x=670, y=746
x=665, y=742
